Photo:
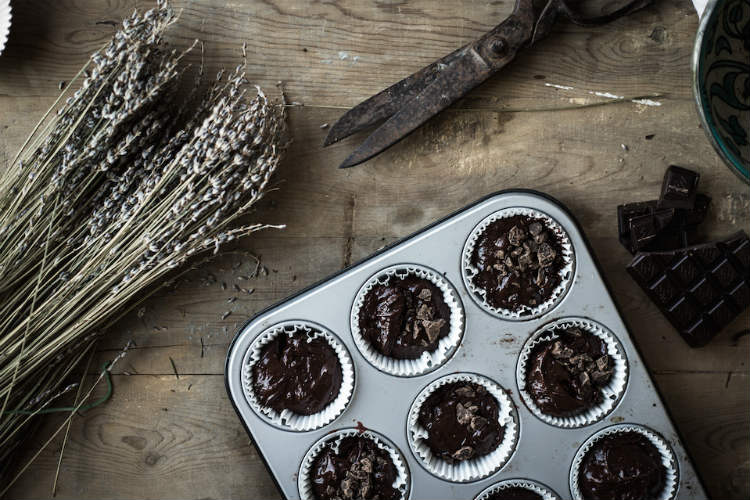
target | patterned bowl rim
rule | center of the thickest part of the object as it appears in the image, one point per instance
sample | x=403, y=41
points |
x=702, y=102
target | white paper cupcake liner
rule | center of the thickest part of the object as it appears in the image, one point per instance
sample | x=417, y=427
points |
x=669, y=460
x=287, y=419
x=304, y=482
x=611, y=393
x=539, y=488
x=566, y=273
x=476, y=468
x=5, y=17
x=430, y=360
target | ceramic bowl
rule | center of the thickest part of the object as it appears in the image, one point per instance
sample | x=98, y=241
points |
x=721, y=80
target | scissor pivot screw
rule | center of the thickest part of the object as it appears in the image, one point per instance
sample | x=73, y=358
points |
x=499, y=46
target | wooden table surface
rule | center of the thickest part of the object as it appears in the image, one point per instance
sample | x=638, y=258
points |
x=166, y=437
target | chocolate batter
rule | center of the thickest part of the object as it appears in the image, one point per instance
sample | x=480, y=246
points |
x=359, y=470
x=565, y=376
x=296, y=374
x=461, y=421
x=623, y=466
x=405, y=317
x=519, y=261
x=515, y=493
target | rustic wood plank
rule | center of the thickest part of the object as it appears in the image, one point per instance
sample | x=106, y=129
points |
x=167, y=438
x=345, y=50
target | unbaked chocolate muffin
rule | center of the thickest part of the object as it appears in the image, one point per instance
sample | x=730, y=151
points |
x=518, y=260
x=359, y=470
x=515, y=493
x=565, y=376
x=622, y=466
x=461, y=419
x=404, y=317
x=297, y=374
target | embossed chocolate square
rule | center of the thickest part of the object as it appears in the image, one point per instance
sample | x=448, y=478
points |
x=679, y=188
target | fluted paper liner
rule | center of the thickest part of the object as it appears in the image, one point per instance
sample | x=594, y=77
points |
x=287, y=419
x=566, y=273
x=538, y=488
x=478, y=467
x=611, y=393
x=5, y=17
x=669, y=460
x=429, y=360
x=304, y=481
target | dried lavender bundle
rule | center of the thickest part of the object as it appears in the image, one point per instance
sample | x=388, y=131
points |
x=108, y=196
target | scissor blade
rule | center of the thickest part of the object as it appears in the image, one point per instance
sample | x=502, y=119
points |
x=386, y=103
x=468, y=71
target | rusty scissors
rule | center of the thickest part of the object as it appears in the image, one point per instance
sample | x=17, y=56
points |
x=408, y=104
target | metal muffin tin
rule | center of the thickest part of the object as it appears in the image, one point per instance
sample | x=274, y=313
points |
x=490, y=347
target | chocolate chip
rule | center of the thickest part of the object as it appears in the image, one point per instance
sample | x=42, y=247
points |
x=535, y=228
x=516, y=236
x=500, y=254
x=425, y=294
x=464, y=453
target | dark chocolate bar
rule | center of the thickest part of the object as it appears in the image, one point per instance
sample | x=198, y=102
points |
x=679, y=188
x=701, y=288
x=645, y=229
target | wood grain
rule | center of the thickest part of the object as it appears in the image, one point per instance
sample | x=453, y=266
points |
x=164, y=437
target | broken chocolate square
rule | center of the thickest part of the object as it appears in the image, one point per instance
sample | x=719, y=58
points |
x=679, y=188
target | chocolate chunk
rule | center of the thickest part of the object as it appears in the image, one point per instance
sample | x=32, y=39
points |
x=433, y=329
x=516, y=236
x=700, y=289
x=477, y=423
x=465, y=392
x=464, y=453
x=535, y=228
x=679, y=188
x=425, y=294
x=463, y=416
x=645, y=229
x=546, y=255
x=676, y=233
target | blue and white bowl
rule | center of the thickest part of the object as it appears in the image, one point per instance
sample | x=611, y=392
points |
x=721, y=80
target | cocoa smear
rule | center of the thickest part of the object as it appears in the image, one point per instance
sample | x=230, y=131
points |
x=404, y=317
x=461, y=419
x=358, y=470
x=297, y=374
x=526, y=279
